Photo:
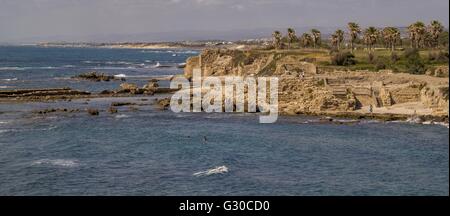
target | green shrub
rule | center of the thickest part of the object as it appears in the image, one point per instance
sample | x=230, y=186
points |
x=394, y=57
x=343, y=59
x=371, y=58
x=442, y=57
x=380, y=65
x=414, y=64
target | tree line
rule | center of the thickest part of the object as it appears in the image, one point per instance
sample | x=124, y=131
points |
x=419, y=36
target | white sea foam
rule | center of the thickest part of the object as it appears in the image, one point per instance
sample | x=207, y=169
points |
x=118, y=62
x=122, y=116
x=213, y=171
x=10, y=79
x=28, y=68
x=4, y=131
x=3, y=87
x=27, y=129
x=120, y=75
x=442, y=124
x=12, y=68
x=57, y=162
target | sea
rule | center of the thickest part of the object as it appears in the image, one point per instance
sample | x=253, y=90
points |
x=145, y=151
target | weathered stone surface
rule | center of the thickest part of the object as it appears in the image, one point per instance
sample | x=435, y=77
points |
x=437, y=98
x=385, y=96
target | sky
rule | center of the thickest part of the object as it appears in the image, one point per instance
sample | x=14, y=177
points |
x=90, y=20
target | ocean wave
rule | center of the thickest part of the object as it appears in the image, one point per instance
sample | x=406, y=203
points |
x=172, y=51
x=10, y=79
x=62, y=78
x=119, y=63
x=11, y=68
x=57, y=162
x=3, y=87
x=120, y=75
x=213, y=171
x=13, y=130
x=444, y=124
x=121, y=116
x=28, y=68
x=5, y=131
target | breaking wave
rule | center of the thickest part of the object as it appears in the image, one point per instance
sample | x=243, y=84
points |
x=57, y=162
x=213, y=171
x=10, y=79
x=121, y=116
x=12, y=68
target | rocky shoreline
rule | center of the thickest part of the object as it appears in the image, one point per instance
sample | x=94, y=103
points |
x=308, y=89
x=304, y=89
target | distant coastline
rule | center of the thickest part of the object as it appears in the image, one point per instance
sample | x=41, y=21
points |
x=197, y=45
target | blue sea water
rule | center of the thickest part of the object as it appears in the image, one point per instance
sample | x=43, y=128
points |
x=153, y=152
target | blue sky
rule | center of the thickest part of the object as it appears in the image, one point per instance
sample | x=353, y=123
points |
x=84, y=19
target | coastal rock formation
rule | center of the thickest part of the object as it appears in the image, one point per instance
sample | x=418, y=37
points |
x=221, y=62
x=436, y=98
x=151, y=87
x=301, y=97
x=307, y=88
x=130, y=88
x=97, y=77
x=42, y=94
x=164, y=103
x=93, y=112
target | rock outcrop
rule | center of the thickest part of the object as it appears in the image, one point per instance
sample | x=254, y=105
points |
x=97, y=77
x=306, y=88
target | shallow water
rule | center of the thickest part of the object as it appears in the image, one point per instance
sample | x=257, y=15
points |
x=152, y=152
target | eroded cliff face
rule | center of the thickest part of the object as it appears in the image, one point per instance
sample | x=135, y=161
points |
x=216, y=62
x=305, y=88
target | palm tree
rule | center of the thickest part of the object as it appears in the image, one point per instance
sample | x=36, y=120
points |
x=316, y=36
x=277, y=39
x=354, y=31
x=340, y=38
x=291, y=37
x=371, y=35
x=435, y=30
x=391, y=37
x=417, y=33
x=306, y=40
x=335, y=41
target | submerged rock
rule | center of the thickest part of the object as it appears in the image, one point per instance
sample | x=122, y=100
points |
x=116, y=104
x=97, y=77
x=151, y=87
x=164, y=103
x=93, y=112
x=112, y=110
